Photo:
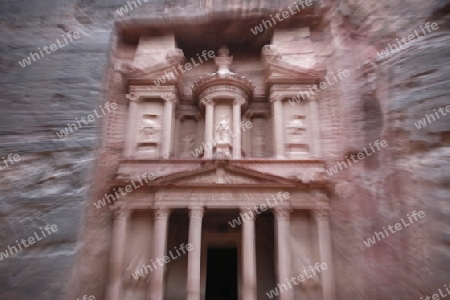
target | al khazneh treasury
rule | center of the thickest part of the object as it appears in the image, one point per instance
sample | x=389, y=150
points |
x=221, y=138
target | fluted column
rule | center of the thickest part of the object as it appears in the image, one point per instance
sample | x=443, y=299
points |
x=169, y=100
x=131, y=124
x=237, y=128
x=209, y=127
x=277, y=103
x=156, y=291
x=121, y=215
x=248, y=256
x=315, y=127
x=325, y=253
x=283, y=240
x=194, y=256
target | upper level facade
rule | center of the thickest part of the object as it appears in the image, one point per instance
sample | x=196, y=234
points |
x=186, y=100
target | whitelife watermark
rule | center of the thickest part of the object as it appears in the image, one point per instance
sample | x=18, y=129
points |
x=31, y=241
x=398, y=226
x=259, y=209
x=12, y=158
x=423, y=122
x=315, y=89
x=124, y=9
x=207, y=146
x=86, y=121
x=412, y=38
x=279, y=289
x=293, y=9
x=162, y=260
x=360, y=156
x=438, y=296
x=128, y=189
x=72, y=36
x=173, y=73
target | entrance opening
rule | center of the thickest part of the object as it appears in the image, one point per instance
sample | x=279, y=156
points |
x=221, y=274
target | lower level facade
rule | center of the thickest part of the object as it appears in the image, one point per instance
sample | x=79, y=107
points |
x=220, y=230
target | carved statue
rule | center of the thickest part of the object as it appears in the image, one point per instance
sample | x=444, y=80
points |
x=150, y=126
x=296, y=126
x=187, y=144
x=223, y=132
x=260, y=144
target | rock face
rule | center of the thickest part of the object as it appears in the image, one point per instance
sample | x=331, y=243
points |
x=56, y=180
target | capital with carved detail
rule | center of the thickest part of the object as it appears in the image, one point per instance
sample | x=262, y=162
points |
x=161, y=213
x=133, y=97
x=248, y=214
x=281, y=213
x=196, y=212
x=207, y=100
x=169, y=98
x=120, y=210
x=275, y=98
x=239, y=101
x=322, y=214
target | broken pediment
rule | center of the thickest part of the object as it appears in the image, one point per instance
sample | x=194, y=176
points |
x=280, y=70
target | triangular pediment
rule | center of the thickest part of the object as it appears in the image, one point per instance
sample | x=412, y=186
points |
x=223, y=175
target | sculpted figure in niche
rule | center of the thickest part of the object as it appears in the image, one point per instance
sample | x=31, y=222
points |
x=296, y=126
x=187, y=144
x=223, y=131
x=260, y=146
x=150, y=126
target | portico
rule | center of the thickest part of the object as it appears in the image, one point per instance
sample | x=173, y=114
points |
x=218, y=221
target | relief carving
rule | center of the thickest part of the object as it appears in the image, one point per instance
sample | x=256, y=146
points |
x=150, y=127
x=223, y=131
x=187, y=145
x=296, y=126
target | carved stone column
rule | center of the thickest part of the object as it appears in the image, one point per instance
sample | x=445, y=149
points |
x=121, y=215
x=248, y=256
x=315, y=127
x=283, y=245
x=156, y=291
x=325, y=253
x=131, y=124
x=177, y=137
x=209, y=127
x=169, y=100
x=194, y=256
x=237, y=128
x=279, y=147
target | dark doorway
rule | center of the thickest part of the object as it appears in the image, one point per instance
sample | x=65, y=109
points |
x=221, y=274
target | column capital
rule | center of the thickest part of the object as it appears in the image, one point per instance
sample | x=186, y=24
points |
x=282, y=213
x=322, y=214
x=250, y=214
x=276, y=97
x=207, y=100
x=169, y=98
x=196, y=212
x=161, y=213
x=133, y=97
x=120, y=210
x=313, y=98
x=239, y=101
